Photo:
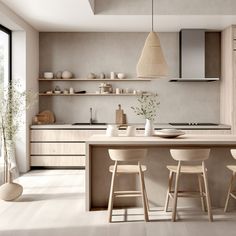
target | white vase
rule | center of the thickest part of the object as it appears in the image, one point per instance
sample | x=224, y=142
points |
x=149, y=129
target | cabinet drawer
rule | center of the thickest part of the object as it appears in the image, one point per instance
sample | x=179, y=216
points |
x=58, y=161
x=234, y=32
x=234, y=44
x=57, y=148
x=63, y=135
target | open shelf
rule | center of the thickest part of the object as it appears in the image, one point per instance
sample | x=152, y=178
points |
x=94, y=80
x=92, y=94
x=194, y=80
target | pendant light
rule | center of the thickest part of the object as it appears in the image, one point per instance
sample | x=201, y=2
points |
x=152, y=63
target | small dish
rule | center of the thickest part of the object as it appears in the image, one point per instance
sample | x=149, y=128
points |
x=169, y=134
x=57, y=92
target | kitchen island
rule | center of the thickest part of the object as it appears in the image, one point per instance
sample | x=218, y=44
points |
x=156, y=177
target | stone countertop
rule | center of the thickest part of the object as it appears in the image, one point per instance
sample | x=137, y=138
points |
x=187, y=139
x=138, y=126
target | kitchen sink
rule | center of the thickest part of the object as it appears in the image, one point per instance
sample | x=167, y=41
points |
x=89, y=123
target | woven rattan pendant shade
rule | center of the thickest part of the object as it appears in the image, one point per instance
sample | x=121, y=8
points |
x=152, y=62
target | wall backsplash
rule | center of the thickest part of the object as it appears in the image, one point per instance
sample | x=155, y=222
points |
x=83, y=53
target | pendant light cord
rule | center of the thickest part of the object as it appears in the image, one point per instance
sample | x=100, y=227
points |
x=152, y=15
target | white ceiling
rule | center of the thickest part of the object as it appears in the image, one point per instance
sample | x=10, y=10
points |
x=124, y=15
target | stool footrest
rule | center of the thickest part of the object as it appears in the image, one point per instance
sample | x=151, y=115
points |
x=233, y=195
x=128, y=194
x=187, y=194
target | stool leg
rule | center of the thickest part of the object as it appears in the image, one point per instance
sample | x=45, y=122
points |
x=201, y=192
x=229, y=191
x=207, y=192
x=176, y=192
x=141, y=178
x=145, y=192
x=111, y=196
x=168, y=191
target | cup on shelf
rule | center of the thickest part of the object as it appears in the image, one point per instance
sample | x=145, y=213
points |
x=71, y=91
x=113, y=75
x=48, y=75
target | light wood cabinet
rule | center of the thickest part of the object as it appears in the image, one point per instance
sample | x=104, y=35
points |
x=59, y=147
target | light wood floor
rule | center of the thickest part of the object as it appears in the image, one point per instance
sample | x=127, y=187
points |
x=53, y=205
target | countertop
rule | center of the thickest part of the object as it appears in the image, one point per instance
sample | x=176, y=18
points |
x=138, y=126
x=187, y=139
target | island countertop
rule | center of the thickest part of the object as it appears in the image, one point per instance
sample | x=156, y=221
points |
x=187, y=139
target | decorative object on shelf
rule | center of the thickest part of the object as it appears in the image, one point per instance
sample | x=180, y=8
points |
x=105, y=88
x=112, y=131
x=66, y=91
x=120, y=116
x=147, y=108
x=102, y=76
x=121, y=75
x=48, y=75
x=71, y=90
x=57, y=90
x=13, y=104
x=91, y=76
x=152, y=62
x=59, y=75
x=67, y=74
x=112, y=75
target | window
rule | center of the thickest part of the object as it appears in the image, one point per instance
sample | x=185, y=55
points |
x=5, y=61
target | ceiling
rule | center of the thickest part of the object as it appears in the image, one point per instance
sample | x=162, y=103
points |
x=124, y=15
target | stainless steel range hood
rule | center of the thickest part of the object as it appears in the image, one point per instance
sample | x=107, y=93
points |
x=196, y=55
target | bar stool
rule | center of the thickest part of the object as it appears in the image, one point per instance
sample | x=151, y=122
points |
x=189, y=155
x=231, y=191
x=128, y=155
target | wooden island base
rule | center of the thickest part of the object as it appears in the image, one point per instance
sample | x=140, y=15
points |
x=98, y=177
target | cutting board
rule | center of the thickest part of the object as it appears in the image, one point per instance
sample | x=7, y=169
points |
x=120, y=115
x=46, y=117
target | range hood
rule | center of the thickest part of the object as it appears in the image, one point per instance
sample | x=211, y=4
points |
x=199, y=55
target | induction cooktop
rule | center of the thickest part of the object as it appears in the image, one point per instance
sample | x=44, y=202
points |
x=193, y=124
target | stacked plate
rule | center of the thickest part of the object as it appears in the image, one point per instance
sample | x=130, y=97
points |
x=169, y=133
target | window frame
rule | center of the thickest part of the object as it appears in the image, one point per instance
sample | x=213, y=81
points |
x=9, y=32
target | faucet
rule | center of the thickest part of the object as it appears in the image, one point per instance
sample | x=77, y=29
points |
x=91, y=116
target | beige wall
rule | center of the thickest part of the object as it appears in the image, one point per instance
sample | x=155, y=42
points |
x=82, y=53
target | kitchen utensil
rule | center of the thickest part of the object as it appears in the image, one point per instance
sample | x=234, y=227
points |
x=119, y=115
x=130, y=131
x=112, y=131
x=113, y=75
x=71, y=91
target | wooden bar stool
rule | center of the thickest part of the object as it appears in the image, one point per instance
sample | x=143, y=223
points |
x=231, y=191
x=128, y=155
x=189, y=155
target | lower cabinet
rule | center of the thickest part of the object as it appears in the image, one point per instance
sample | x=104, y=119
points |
x=59, y=147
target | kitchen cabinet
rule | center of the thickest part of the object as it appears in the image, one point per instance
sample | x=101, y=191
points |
x=59, y=147
x=228, y=80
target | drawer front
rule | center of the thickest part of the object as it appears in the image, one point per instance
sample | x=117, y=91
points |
x=57, y=148
x=234, y=32
x=58, y=161
x=234, y=44
x=63, y=135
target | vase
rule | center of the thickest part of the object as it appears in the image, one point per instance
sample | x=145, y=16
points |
x=149, y=129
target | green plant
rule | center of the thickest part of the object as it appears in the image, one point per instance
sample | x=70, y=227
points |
x=148, y=105
x=13, y=103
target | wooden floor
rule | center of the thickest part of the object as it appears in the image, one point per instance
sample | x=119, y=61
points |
x=53, y=205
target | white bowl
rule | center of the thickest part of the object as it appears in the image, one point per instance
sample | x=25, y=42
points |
x=121, y=75
x=48, y=75
x=170, y=131
x=66, y=74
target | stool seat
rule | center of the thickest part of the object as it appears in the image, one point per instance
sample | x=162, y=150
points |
x=186, y=169
x=232, y=167
x=127, y=169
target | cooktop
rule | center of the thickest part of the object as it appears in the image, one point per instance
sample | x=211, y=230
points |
x=193, y=124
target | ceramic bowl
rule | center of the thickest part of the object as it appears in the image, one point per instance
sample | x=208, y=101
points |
x=121, y=75
x=66, y=74
x=48, y=75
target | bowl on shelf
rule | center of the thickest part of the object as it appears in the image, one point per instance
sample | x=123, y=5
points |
x=121, y=75
x=48, y=75
x=66, y=74
x=57, y=92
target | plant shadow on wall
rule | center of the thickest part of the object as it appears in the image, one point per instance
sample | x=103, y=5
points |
x=14, y=102
x=147, y=108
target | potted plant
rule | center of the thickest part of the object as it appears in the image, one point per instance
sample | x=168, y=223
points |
x=13, y=103
x=147, y=108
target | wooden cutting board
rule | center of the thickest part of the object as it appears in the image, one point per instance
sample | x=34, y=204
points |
x=120, y=115
x=46, y=117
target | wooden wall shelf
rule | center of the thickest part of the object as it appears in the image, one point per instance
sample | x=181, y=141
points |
x=91, y=94
x=95, y=80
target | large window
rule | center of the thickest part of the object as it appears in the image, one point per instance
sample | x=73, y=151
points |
x=5, y=61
